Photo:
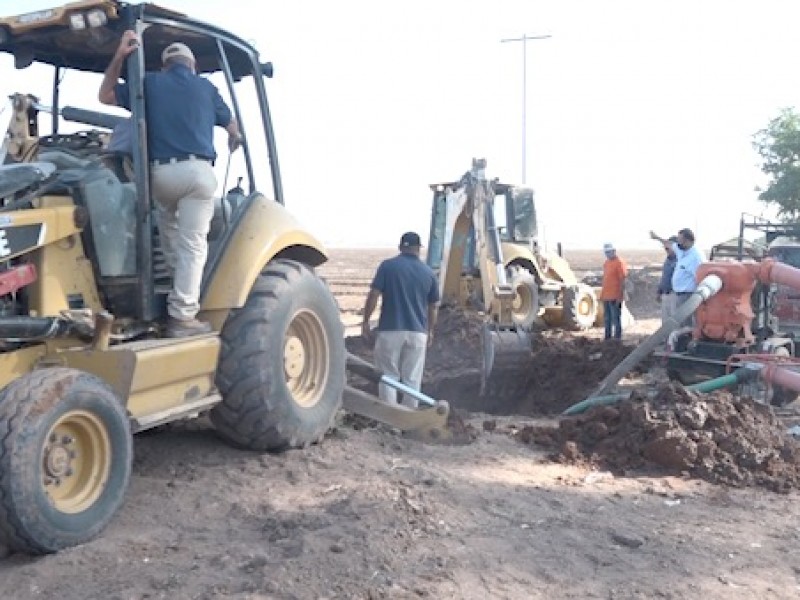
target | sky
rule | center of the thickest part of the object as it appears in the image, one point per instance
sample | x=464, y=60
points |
x=640, y=114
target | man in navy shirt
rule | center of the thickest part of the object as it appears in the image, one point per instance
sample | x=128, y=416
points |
x=665, y=295
x=182, y=111
x=409, y=295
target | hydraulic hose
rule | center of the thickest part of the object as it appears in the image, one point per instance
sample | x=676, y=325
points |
x=375, y=375
x=709, y=286
x=30, y=329
x=738, y=376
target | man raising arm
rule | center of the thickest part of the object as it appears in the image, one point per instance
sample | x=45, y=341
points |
x=182, y=111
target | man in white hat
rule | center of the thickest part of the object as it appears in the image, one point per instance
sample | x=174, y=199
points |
x=182, y=111
x=613, y=292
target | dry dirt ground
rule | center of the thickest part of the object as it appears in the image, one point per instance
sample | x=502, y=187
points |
x=521, y=507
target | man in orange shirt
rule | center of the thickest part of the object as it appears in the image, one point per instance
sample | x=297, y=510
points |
x=613, y=292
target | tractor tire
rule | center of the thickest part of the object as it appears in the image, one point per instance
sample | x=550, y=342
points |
x=282, y=364
x=580, y=307
x=65, y=459
x=525, y=307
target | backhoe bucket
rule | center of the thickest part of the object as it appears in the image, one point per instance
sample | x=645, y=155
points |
x=506, y=352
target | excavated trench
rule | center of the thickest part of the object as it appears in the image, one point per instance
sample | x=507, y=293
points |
x=719, y=437
x=560, y=370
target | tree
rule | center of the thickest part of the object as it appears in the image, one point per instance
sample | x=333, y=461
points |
x=779, y=147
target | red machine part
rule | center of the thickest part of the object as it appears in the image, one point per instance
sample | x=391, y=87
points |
x=727, y=315
x=780, y=376
x=780, y=370
x=16, y=278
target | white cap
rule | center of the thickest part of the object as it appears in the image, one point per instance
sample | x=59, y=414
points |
x=177, y=49
x=608, y=247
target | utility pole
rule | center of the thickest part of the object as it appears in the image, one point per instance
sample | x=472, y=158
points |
x=524, y=39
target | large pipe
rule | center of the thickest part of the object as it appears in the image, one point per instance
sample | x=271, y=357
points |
x=772, y=271
x=375, y=375
x=781, y=377
x=709, y=286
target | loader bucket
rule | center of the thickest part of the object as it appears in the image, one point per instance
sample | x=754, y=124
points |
x=506, y=352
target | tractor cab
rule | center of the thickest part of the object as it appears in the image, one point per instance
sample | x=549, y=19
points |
x=62, y=123
x=514, y=215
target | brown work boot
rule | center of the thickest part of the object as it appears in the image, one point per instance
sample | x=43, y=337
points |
x=178, y=328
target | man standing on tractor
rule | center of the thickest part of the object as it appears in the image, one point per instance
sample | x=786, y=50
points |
x=183, y=109
x=409, y=295
x=613, y=292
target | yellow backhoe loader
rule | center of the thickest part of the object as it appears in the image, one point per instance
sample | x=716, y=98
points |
x=84, y=362
x=483, y=244
x=544, y=285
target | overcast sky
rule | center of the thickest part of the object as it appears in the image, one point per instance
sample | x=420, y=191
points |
x=640, y=113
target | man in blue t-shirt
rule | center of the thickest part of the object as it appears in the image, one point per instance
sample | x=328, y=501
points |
x=409, y=294
x=182, y=111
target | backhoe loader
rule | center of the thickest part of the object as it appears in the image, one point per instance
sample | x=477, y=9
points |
x=499, y=270
x=545, y=287
x=84, y=360
x=465, y=252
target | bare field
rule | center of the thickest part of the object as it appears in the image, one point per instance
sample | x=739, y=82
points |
x=349, y=272
x=369, y=514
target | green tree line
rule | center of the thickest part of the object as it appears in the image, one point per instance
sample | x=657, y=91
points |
x=778, y=144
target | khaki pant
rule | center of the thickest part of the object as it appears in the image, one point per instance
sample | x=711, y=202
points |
x=184, y=197
x=401, y=356
x=680, y=300
x=667, y=306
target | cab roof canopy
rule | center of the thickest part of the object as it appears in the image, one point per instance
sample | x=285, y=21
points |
x=84, y=35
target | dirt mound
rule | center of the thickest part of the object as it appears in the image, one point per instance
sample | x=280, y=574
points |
x=642, y=288
x=560, y=370
x=719, y=437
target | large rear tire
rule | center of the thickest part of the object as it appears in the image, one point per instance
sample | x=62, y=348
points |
x=580, y=307
x=525, y=306
x=65, y=459
x=282, y=364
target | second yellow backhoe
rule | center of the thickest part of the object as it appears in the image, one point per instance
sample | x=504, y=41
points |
x=484, y=246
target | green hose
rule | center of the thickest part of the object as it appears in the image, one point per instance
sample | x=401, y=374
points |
x=703, y=387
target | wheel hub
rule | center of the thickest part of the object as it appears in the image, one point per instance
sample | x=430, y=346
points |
x=76, y=461
x=305, y=358
x=57, y=461
x=294, y=357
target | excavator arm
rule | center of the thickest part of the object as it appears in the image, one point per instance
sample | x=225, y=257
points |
x=469, y=207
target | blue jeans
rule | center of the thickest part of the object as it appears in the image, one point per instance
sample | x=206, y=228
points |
x=612, y=318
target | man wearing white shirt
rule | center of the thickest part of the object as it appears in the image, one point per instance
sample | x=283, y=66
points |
x=689, y=258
